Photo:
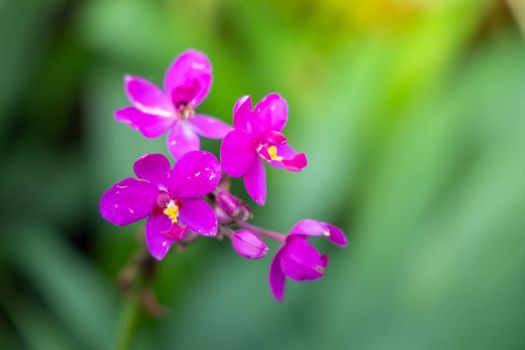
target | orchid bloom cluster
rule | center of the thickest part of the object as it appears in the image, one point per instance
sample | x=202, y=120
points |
x=192, y=197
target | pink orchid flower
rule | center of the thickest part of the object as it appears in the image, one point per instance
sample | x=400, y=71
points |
x=257, y=138
x=169, y=197
x=154, y=111
x=297, y=259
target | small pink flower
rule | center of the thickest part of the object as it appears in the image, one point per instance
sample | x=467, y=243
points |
x=247, y=244
x=256, y=138
x=153, y=111
x=297, y=259
x=169, y=198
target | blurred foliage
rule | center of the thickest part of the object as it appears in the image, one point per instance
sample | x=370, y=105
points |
x=412, y=117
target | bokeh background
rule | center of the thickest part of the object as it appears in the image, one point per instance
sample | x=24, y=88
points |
x=412, y=114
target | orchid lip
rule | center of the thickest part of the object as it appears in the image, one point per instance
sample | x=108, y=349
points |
x=169, y=234
x=269, y=153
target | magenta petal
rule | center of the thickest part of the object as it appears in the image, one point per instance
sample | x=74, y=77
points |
x=242, y=114
x=296, y=163
x=255, y=181
x=274, y=138
x=300, y=261
x=185, y=95
x=309, y=227
x=291, y=161
x=336, y=235
x=237, y=153
x=182, y=139
x=195, y=174
x=158, y=240
x=263, y=152
x=178, y=232
x=198, y=216
x=324, y=259
x=209, y=127
x=192, y=68
x=270, y=114
x=277, y=278
x=247, y=244
x=128, y=201
x=147, y=97
x=149, y=125
x=152, y=167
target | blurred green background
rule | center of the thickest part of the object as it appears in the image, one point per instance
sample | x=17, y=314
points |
x=412, y=114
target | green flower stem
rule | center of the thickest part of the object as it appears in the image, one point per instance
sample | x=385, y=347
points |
x=129, y=320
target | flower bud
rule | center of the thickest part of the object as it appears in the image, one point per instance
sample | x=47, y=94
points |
x=233, y=208
x=247, y=244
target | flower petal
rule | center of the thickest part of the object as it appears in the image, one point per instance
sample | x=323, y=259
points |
x=128, y=201
x=178, y=232
x=324, y=259
x=275, y=138
x=147, y=97
x=309, y=227
x=198, y=216
x=300, y=261
x=291, y=160
x=209, y=127
x=185, y=95
x=195, y=174
x=270, y=114
x=242, y=114
x=237, y=153
x=158, y=240
x=182, y=139
x=255, y=181
x=336, y=235
x=277, y=278
x=247, y=244
x=153, y=167
x=149, y=125
x=192, y=68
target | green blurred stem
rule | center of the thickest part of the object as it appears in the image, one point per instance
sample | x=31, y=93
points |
x=129, y=320
x=276, y=236
x=132, y=279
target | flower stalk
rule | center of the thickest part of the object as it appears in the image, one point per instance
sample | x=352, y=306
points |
x=275, y=236
x=129, y=320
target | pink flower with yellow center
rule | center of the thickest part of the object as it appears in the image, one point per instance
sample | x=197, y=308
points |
x=170, y=198
x=256, y=139
x=154, y=111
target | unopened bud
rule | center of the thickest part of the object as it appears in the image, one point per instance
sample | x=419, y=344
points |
x=247, y=244
x=232, y=208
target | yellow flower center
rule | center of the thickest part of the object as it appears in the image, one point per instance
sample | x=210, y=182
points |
x=172, y=211
x=272, y=151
